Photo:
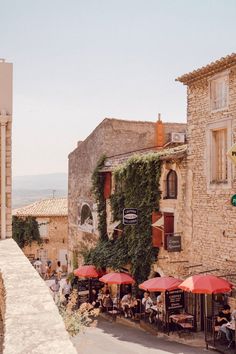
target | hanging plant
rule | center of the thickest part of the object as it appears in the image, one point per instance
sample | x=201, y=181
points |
x=136, y=186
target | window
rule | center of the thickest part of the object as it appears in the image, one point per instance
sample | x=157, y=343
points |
x=86, y=215
x=171, y=185
x=219, y=92
x=43, y=227
x=219, y=170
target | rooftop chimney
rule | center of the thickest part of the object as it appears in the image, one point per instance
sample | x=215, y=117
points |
x=159, y=132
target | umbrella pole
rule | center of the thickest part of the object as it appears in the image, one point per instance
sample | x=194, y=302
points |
x=205, y=324
x=90, y=289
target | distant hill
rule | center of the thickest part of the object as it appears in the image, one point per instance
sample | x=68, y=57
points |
x=28, y=189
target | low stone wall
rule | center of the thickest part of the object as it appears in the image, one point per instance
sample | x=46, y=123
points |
x=32, y=324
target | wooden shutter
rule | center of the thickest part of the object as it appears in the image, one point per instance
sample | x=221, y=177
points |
x=168, y=226
x=107, y=185
x=157, y=232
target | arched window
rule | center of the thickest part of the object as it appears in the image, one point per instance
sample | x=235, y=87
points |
x=171, y=185
x=86, y=215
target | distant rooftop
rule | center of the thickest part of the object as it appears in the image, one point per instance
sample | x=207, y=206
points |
x=210, y=69
x=44, y=207
x=176, y=152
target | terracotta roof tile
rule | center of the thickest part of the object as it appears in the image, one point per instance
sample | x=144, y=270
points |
x=210, y=69
x=44, y=207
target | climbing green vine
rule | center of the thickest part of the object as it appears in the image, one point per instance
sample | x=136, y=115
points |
x=98, y=180
x=136, y=186
x=25, y=231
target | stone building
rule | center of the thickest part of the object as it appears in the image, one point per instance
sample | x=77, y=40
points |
x=211, y=131
x=6, y=146
x=52, y=218
x=168, y=224
x=111, y=137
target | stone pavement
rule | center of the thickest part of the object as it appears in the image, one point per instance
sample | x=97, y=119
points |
x=115, y=338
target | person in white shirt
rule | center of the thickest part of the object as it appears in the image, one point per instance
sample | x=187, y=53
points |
x=148, y=303
x=38, y=266
x=66, y=290
x=55, y=288
x=126, y=303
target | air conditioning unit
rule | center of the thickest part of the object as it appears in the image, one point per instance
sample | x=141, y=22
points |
x=177, y=137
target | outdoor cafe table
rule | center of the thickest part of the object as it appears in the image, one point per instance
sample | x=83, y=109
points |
x=184, y=320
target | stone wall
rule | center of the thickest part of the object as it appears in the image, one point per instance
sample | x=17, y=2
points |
x=32, y=324
x=213, y=242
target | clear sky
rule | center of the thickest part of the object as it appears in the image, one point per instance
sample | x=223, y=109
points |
x=79, y=61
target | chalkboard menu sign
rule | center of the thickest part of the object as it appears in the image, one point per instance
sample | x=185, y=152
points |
x=174, y=299
x=173, y=243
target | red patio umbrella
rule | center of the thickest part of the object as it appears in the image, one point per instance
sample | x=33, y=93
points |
x=205, y=284
x=117, y=278
x=87, y=271
x=160, y=284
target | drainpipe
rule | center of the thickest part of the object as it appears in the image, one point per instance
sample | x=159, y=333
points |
x=3, y=122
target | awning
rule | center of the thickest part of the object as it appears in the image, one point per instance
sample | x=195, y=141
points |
x=113, y=226
x=159, y=222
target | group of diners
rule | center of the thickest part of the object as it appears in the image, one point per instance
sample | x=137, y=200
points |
x=131, y=306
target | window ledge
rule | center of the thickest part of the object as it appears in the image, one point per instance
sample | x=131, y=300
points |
x=219, y=109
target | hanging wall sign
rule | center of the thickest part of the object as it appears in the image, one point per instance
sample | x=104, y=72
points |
x=232, y=153
x=130, y=216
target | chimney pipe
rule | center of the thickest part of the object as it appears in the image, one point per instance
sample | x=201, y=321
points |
x=159, y=132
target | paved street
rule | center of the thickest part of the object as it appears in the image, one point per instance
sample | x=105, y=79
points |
x=114, y=338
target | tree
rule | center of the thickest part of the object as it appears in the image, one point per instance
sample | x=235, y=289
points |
x=25, y=231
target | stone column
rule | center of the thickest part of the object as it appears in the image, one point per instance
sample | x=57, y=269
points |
x=4, y=119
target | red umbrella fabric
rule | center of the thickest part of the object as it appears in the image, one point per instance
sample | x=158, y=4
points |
x=87, y=271
x=206, y=284
x=117, y=278
x=160, y=284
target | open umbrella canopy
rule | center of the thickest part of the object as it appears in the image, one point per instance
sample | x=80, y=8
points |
x=117, y=278
x=87, y=271
x=205, y=284
x=160, y=284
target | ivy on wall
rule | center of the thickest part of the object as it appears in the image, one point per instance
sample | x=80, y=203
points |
x=136, y=186
x=25, y=231
x=98, y=181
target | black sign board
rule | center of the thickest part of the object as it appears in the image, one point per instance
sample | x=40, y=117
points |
x=130, y=216
x=173, y=243
x=174, y=299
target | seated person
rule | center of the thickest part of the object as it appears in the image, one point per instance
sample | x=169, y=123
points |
x=230, y=329
x=160, y=304
x=94, y=299
x=127, y=304
x=223, y=318
x=148, y=303
x=107, y=302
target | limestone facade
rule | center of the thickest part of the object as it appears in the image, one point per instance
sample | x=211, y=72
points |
x=111, y=137
x=211, y=219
